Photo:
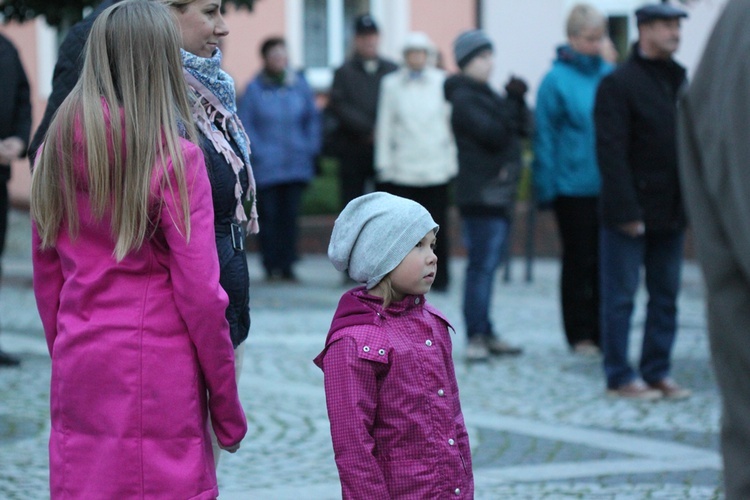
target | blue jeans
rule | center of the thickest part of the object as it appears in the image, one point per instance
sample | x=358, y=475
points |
x=621, y=259
x=483, y=238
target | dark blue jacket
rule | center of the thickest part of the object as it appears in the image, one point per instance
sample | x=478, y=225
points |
x=233, y=270
x=284, y=129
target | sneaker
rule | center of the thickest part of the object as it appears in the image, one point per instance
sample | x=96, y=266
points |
x=8, y=360
x=636, y=389
x=586, y=348
x=477, y=350
x=499, y=347
x=670, y=389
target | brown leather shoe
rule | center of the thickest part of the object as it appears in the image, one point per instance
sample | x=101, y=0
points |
x=670, y=389
x=636, y=389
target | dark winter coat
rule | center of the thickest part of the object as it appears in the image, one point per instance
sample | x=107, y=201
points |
x=233, y=271
x=354, y=99
x=67, y=70
x=637, y=146
x=15, y=104
x=488, y=129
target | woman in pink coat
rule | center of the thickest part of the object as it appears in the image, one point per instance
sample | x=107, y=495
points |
x=126, y=276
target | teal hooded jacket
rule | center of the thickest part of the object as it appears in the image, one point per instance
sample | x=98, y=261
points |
x=565, y=143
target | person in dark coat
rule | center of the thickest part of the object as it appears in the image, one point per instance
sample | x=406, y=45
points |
x=643, y=219
x=15, y=126
x=353, y=104
x=714, y=155
x=67, y=70
x=487, y=128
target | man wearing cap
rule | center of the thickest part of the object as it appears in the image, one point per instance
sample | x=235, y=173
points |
x=643, y=219
x=353, y=103
x=714, y=155
x=415, y=154
x=487, y=128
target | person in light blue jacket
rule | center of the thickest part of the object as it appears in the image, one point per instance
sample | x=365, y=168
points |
x=279, y=113
x=566, y=174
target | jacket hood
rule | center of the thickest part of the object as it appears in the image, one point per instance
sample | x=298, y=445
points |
x=359, y=308
x=582, y=62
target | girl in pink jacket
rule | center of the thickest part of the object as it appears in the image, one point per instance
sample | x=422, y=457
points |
x=126, y=275
x=391, y=392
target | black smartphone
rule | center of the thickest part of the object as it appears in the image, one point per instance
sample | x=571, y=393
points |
x=238, y=237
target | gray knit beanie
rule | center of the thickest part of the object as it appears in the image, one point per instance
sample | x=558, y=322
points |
x=469, y=44
x=374, y=233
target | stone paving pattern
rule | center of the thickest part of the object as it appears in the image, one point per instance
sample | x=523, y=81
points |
x=540, y=424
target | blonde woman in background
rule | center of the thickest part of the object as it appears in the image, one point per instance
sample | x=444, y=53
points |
x=566, y=172
x=126, y=276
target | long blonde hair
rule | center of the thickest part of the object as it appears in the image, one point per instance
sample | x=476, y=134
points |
x=132, y=65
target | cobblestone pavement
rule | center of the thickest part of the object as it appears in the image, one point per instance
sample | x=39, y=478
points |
x=540, y=424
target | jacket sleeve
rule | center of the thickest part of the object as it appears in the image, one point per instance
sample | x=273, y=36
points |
x=202, y=303
x=548, y=117
x=22, y=106
x=384, y=129
x=66, y=73
x=350, y=118
x=351, y=397
x=48, y=282
x=491, y=130
x=246, y=112
x=619, y=197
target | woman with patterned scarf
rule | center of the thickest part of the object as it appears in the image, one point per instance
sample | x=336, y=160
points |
x=227, y=152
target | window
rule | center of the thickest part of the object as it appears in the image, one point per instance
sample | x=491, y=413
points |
x=328, y=30
x=618, y=32
x=315, y=33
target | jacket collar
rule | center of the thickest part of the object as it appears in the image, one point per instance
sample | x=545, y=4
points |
x=582, y=62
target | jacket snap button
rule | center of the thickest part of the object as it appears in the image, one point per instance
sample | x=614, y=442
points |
x=428, y=342
x=451, y=442
x=381, y=352
x=441, y=392
x=366, y=348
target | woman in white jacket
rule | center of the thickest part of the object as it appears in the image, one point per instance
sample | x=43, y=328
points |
x=415, y=153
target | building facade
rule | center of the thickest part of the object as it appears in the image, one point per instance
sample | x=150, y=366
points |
x=318, y=34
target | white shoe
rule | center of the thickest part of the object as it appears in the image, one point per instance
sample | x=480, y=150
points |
x=477, y=350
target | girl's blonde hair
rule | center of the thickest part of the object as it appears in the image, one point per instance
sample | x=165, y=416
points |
x=133, y=66
x=385, y=286
x=584, y=16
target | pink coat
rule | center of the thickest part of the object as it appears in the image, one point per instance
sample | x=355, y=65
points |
x=396, y=421
x=140, y=354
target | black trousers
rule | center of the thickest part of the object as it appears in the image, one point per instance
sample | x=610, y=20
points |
x=4, y=205
x=578, y=224
x=356, y=168
x=435, y=199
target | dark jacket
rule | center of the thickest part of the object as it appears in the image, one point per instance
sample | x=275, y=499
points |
x=15, y=104
x=636, y=143
x=488, y=129
x=354, y=99
x=233, y=269
x=67, y=70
